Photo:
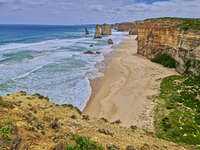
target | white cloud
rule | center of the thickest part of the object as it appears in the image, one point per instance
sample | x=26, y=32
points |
x=93, y=11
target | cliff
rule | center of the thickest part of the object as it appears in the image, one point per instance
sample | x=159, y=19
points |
x=106, y=29
x=174, y=37
x=131, y=27
x=32, y=122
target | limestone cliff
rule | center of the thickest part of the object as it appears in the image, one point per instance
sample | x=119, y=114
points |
x=97, y=32
x=131, y=27
x=160, y=36
x=106, y=29
x=32, y=122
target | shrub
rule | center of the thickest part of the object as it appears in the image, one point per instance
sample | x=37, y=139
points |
x=83, y=143
x=165, y=60
x=6, y=131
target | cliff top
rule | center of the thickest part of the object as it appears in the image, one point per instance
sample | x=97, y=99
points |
x=33, y=122
x=183, y=23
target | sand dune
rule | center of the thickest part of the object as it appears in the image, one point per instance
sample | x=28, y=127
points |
x=125, y=90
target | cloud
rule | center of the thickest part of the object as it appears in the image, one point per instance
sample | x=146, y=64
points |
x=3, y=2
x=93, y=11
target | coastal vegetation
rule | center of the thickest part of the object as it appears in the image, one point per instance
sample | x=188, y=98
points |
x=178, y=112
x=83, y=143
x=165, y=60
x=186, y=23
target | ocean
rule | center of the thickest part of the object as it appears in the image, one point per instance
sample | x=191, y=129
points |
x=50, y=60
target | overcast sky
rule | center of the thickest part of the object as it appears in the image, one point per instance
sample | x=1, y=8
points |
x=92, y=11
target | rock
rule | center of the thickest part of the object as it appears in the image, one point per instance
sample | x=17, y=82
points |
x=89, y=52
x=130, y=148
x=106, y=29
x=113, y=147
x=97, y=32
x=104, y=119
x=85, y=117
x=54, y=125
x=86, y=31
x=98, y=52
x=73, y=117
x=110, y=41
x=117, y=122
x=106, y=132
x=145, y=147
x=133, y=31
x=133, y=128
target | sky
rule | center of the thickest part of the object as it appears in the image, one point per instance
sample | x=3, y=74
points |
x=72, y=12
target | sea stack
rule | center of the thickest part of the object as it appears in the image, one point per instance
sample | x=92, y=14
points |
x=110, y=41
x=106, y=29
x=86, y=31
x=97, y=32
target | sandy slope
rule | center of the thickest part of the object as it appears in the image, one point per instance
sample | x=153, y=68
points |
x=127, y=86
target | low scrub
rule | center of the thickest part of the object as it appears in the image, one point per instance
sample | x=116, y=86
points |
x=83, y=143
x=178, y=113
x=165, y=60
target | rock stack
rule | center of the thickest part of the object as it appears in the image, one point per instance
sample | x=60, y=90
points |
x=110, y=41
x=86, y=31
x=106, y=29
x=97, y=32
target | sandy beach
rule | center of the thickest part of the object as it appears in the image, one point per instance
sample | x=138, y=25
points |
x=125, y=92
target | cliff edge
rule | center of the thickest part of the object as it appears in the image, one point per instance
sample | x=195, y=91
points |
x=176, y=37
x=32, y=122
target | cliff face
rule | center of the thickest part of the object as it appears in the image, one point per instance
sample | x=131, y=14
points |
x=106, y=29
x=163, y=37
x=32, y=122
x=130, y=27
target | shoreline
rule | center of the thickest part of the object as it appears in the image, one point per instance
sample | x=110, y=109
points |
x=124, y=92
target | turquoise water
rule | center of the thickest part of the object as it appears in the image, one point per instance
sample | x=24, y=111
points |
x=50, y=60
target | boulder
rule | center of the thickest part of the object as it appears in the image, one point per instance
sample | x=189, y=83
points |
x=89, y=52
x=97, y=32
x=110, y=41
x=106, y=29
x=86, y=31
x=133, y=31
x=98, y=52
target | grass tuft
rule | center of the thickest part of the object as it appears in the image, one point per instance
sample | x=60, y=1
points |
x=83, y=143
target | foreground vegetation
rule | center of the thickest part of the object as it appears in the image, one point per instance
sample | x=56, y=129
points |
x=165, y=60
x=178, y=114
x=83, y=143
x=186, y=23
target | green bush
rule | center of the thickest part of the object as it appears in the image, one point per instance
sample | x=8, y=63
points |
x=6, y=131
x=165, y=60
x=83, y=143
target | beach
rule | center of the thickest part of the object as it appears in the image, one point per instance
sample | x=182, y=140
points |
x=125, y=92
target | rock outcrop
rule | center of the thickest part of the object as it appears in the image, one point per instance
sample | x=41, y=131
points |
x=157, y=37
x=87, y=31
x=106, y=29
x=131, y=27
x=97, y=32
x=32, y=122
x=89, y=52
x=110, y=41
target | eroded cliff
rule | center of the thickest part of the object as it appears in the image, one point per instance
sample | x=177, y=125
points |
x=165, y=36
